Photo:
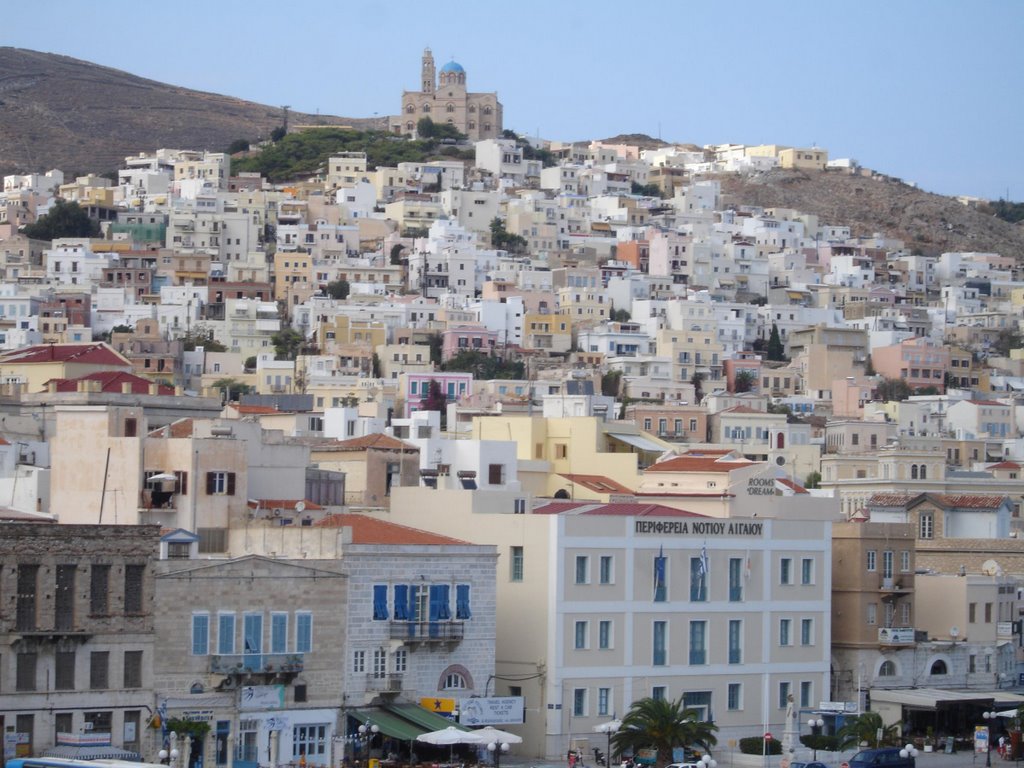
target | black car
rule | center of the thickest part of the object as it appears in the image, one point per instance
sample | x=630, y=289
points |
x=885, y=757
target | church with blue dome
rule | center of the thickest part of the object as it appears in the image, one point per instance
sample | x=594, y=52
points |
x=444, y=99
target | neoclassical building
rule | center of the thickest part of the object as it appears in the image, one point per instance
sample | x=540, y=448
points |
x=444, y=99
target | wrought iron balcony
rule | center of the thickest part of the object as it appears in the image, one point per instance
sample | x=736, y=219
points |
x=387, y=683
x=256, y=663
x=428, y=631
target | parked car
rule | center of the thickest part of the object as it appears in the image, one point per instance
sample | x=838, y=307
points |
x=885, y=757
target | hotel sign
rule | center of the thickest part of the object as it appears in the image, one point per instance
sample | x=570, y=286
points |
x=698, y=528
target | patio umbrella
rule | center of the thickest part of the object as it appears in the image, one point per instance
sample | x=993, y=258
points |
x=494, y=734
x=449, y=737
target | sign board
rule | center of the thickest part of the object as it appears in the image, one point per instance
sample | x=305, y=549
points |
x=276, y=723
x=10, y=745
x=647, y=756
x=262, y=697
x=196, y=716
x=1004, y=629
x=762, y=486
x=837, y=706
x=439, y=705
x=495, y=710
x=701, y=528
x=89, y=739
x=980, y=739
x=896, y=635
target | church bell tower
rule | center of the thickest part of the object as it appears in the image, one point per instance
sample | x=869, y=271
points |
x=429, y=77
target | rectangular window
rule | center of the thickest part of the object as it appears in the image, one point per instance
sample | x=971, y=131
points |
x=905, y=561
x=972, y=610
x=28, y=580
x=926, y=527
x=871, y=561
x=735, y=579
x=133, y=581
x=735, y=641
x=805, y=693
x=99, y=590
x=660, y=578
x=604, y=634
x=887, y=564
x=579, y=702
x=807, y=571
x=99, y=670
x=132, y=669
x=734, y=697
x=582, y=569
x=604, y=696
x=380, y=663
x=698, y=581
x=581, y=635
x=659, y=655
x=359, y=661
x=226, y=633
x=698, y=642
x=606, y=569
x=401, y=660
x=252, y=633
x=25, y=675
x=462, y=606
x=515, y=563
x=783, y=695
x=496, y=474
x=220, y=483
x=786, y=571
x=784, y=631
x=200, y=634
x=278, y=632
x=309, y=743
x=64, y=674
x=303, y=632
x=806, y=631
x=872, y=617
x=659, y=693
x=64, y=599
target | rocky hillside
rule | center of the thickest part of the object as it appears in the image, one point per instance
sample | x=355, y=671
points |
x=928, y=223
x=59, y=112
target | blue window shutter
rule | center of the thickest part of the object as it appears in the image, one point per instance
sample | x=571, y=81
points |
x=462, y=610
x=444, y=611
x=380, y=602
x=435, y=602
x=401, y=602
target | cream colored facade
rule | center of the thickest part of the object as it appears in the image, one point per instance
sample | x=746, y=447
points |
x=582, y=631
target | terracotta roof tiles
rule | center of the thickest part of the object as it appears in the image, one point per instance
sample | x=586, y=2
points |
x=378, y=440
x=619, y=509
x=370, y=530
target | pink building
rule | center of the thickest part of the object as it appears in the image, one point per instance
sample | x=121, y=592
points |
x=918, y=361
x=746, y=362
x=454, y=385
x=465, y=338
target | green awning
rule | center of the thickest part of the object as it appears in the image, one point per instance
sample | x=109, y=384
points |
x=389, y=724
x=429, y=721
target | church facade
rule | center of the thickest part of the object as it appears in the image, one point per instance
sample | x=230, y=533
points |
x=444, y=99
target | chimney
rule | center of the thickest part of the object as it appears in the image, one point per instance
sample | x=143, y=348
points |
x=154, y=388
x=51, y=387
x=179, y=391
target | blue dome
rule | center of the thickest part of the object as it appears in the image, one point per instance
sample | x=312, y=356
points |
x=452, y=66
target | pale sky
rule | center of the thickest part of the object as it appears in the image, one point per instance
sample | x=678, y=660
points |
x=927, y=90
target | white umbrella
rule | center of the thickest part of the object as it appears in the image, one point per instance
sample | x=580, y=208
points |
x=162, y=477
x=449, y=737
x=494, y=734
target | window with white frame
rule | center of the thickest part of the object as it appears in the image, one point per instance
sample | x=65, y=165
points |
x=807, y=571
x=604, y=696
x=309, y=742
x=579, y=702
x=380, y=663
x=401, y=660
x=359, y=661
x=785, y=625
x=605, y=569
x=580, y=635
x=604, y=634
x=872, y=561
x=806, y=631
x=905, y=561
x=784, y=690
x=303, y=632
x=582, y=569
x=278, y=632
x=786, y=571
x=225, y=633
x=734, y=696
x=453, y=681
x=872, y=617
x=200, y=634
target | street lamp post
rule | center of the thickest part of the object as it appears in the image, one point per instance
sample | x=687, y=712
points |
x=608, y=729
x=708, y=762
x=988, y=742
x=815, y=724
x=367, y=731
x=171, y=753
x=908, y=751
x=496, y=748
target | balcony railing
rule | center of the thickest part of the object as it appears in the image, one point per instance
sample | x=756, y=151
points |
x=248, y=663
x=387, y=683
x=427, y=631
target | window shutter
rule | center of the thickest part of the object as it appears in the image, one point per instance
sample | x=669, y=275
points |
x=401, y=602
x=231, y=483
x=462, y=610
x=182, y=482
x=211, y=483
x=380, y=602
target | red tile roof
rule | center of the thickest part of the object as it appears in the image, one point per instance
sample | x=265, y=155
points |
x=619, y=509
x=370, y=530
x=696, y=463
x=93, y=354
x=973, y=501
x=253, y=409
x=792, y=485
x=890, y=499
x=745, y=409
x=113, y=381
x=1005, y=465
x=598, y=483
x=987, y=402
x=379, y=441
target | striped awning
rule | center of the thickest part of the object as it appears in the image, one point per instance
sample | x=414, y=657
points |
x=82, y=752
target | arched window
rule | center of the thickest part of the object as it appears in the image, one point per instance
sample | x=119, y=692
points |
x=924, y=472
x=488, y=110
x=472, y=125
x=455, y=678
x=450, y=108
x=409, y=126
x=454, y=682
x=410, y=108
x=913, y=471
x=426, y=108
x=938, y=668
x=888, y=669
x=450, y=121
x=472, y=108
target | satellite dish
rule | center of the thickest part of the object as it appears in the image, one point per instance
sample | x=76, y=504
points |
x=991, y=568
x=300, y=506
x=954, y=632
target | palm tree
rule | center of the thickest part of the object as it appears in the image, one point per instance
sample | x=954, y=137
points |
x=864, y=728
x=662, y=725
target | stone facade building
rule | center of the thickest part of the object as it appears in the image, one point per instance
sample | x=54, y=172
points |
x=444, y=99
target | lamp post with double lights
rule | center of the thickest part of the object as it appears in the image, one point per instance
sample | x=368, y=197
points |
x=991, y=717
x=708, y=762
x=609, y=729
x=908, y=751
x=367, y=731
x=496, y=748
x=170, y=754
x=815, y=724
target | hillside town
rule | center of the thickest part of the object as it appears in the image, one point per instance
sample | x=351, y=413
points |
x=515, y=437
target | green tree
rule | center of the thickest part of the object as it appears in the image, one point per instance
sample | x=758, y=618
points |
x=201, y=336
x=646, y=190
x=396, y=254
x=238, y=145
x=663, y=725
x=1007, y=339
x=426, y=128
x=813, y=480
x=63, y=220
x=611, y=383
x=505, y=240
x=892, y=389
x=864, y=728
x=250, y=363
x=338, y=289
x=278, y=134
x=287, y=343
x=122, y=329
x=698, y=387
x=743, y=381
x=775, y=350
x=233, y=388
x=484, y=366
x=619, y=316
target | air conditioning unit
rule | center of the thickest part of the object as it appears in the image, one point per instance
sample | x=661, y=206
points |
x=86, y=726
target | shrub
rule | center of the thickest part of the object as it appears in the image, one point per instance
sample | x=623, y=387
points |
x=820, y=741
x=755, y=745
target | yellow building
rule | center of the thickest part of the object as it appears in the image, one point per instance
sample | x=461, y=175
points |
x=32, y=367
x=813, y=159
x=692, y=352
x=344, y=330
x=548, y=333
x=293, y=277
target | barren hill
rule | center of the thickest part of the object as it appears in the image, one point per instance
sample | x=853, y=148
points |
x=928, y=223
x=59, y=112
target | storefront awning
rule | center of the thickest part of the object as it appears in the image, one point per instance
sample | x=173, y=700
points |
x=389, y=724
x=929, y=698
x=84, y=752
x=424, y=718
x=638, y=442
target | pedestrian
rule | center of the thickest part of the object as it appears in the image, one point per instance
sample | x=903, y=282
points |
x=572, y=759
x=1002, y=747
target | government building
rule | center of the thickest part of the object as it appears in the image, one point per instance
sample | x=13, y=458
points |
x=444, y=99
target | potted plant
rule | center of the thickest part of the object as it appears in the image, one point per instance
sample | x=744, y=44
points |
x=929, y=739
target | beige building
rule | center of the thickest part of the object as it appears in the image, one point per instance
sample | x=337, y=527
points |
x=444, y=99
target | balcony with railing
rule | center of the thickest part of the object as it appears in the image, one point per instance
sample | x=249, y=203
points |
x=256, y=663
x=384, y=683
x=428, y=631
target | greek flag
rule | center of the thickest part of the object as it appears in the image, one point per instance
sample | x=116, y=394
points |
x=704, y=566
x=659, y=575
